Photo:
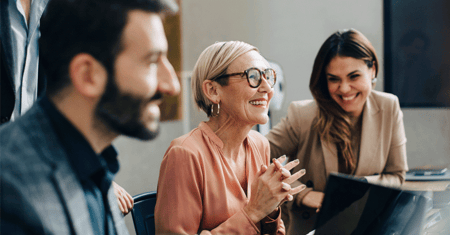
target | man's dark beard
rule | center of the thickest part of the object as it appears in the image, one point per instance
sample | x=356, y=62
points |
x=122, y=112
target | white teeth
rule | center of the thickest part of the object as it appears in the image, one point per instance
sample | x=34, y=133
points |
x=258, y=102
x=348, y=97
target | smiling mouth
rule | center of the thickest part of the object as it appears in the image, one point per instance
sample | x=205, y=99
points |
x=349, y=98
x=258, y=102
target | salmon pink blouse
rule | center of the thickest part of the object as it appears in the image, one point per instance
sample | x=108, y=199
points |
x=198, y=190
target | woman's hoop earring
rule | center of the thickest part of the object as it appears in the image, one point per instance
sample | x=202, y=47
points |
x=212, y=110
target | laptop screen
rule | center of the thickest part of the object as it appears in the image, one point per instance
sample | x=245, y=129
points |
x=353, y=206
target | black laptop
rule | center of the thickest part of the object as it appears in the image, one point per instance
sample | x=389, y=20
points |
x=354, y=207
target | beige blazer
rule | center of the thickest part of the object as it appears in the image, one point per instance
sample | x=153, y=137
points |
x=382, y=157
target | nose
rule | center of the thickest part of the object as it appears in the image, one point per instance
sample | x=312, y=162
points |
x=167, y=78
x=265, y=86
x=344, y=87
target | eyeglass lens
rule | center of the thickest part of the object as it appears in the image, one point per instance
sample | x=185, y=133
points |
x=254, y=77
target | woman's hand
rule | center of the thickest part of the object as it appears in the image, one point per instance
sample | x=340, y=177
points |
x=313, y=199
x=272, y=187
x=124, y=199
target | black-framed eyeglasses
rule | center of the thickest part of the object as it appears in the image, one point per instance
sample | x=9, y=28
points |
x=254, y=76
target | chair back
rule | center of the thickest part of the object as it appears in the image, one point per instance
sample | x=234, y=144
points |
x=143, y=213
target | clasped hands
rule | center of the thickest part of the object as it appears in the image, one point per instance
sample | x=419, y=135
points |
x=272, y=187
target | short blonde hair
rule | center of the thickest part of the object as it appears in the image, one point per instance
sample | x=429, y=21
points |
x=213, y=62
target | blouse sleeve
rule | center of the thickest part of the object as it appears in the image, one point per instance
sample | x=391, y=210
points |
x=179, y=204
x=284, y=137
x=396, y=165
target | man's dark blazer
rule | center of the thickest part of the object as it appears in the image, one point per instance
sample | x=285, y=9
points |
x=40, y=192
x=7, y=91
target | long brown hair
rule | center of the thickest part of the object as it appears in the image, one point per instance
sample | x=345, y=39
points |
x=333, y=123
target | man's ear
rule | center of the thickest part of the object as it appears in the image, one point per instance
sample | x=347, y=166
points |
x=88, y=75
x=210, y=89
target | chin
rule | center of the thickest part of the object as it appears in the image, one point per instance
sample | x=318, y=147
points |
x=263, y=120
x=352, y=112
x=152, y=125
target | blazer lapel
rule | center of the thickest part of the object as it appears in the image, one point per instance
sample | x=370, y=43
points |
x=370, y=136
x=46, y=142
x=330, y=156
x=73, y=196
x=119, y=222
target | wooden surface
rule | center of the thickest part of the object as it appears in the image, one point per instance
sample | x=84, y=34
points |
x=426, y=185
x=171, y=107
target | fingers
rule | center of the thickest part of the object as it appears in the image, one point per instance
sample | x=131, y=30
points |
x=122, y=205
x=290, y=165
x=284, y=170
x=285, y=187
x=262, y=170
x=124, y=199
x=285, y=173
x=129, y=201
x=288, y=197
x=297, y=189
x=275, y=166
x=277, y=162
x=295, y=176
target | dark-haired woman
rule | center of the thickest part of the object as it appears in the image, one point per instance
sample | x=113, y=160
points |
x=347, y=127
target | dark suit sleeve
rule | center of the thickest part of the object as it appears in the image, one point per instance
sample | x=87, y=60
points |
x=17, y=213
x=7, y=97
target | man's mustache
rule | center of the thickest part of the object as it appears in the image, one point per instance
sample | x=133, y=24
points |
x=157, y=96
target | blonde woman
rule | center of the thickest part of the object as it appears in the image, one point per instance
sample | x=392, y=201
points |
x=347, y=128
x=218, y=178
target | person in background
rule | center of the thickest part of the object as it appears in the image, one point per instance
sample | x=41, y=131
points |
x=105, y=79
x=22, y=77
x=218, y=179
x=347, y=127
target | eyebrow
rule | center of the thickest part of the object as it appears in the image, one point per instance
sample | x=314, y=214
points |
x=154, y=53
x=351, y=73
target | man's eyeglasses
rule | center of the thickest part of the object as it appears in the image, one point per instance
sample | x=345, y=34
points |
x=254, y=76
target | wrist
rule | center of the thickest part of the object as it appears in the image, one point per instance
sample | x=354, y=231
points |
x=254, y=216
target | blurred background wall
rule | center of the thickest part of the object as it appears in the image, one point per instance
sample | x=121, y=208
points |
x=290, y=33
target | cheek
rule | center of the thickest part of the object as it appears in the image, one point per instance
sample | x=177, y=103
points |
x=366, y=86
x=332, y=87
x=271, y=94
x=140, y=81
x=150, y=76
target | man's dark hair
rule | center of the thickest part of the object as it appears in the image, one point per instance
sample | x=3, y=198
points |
x=70, y=27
